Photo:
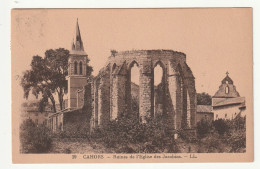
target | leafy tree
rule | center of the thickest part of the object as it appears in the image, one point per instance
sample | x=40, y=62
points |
x=203, y=99
x=47, y=77
x=37, y=81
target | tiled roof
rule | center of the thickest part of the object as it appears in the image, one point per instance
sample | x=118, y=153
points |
x=227, y=101
x=204, y=108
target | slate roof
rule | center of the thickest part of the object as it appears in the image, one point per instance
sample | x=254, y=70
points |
x=204, y=108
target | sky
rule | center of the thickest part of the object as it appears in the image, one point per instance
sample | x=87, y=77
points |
x=215, y=40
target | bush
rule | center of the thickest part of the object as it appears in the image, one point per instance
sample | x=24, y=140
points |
x=237, y=134
x=211, y=144
x=204, y=127
x=34, y=139
x=226, y=136
x=238, y=123
x=188, y=135
x=237, y=141
x=221, y=126
x=127, y=135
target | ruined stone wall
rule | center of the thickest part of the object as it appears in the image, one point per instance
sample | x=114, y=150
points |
x=146, y=90
x=118, y=81
x=96, y=84
x=175, y=97
x=104, y=98
x=99, y=98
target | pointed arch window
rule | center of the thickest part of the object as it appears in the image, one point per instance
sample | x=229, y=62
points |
x=80, y=68
x=75, y=67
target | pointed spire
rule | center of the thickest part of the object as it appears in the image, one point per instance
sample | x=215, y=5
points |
x=78, y=43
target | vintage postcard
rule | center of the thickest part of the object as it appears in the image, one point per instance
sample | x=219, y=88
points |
x=132, y=85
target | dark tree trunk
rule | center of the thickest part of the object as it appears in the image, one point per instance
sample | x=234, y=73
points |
x=53, y=102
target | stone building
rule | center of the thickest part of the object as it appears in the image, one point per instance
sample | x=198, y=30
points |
x=204, y=112
x=107, y=96
x=227, y=103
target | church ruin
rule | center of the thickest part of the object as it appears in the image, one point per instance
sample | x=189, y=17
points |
x=107, y=96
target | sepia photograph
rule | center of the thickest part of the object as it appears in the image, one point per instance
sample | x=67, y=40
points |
x=132, y=85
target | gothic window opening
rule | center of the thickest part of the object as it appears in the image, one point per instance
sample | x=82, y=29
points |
x=134, y=78
x=75, y=67
x=226, y=90
x=80, y=68
x=158, y=89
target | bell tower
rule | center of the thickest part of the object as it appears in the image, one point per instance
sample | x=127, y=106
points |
x=77, y=65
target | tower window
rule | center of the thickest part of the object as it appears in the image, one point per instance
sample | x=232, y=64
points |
x=80, y=68
x=227, y=90
x=75, y=67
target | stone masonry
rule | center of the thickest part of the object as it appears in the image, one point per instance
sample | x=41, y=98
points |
x=112, y=88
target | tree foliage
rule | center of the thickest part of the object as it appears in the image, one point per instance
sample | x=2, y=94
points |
x=47, y=77
x=203, y=99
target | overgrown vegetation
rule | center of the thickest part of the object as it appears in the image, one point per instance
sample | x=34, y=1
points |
x=33, y=138
x=127, y=135
x=222, y=135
